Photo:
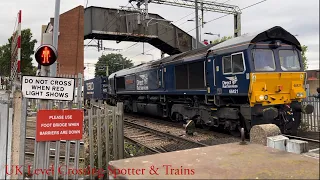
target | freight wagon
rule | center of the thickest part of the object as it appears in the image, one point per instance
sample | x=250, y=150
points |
x=95, y=89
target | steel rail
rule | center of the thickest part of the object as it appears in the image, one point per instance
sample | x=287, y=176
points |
x=163, y=133
x=141, y=145
x=302, y=138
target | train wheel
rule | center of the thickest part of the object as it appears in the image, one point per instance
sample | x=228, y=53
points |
x=173, y=116
x=176, y=117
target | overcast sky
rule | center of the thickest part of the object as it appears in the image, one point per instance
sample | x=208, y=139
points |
x=296, y=16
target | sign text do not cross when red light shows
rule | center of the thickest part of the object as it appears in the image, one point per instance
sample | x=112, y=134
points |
x=46, y=55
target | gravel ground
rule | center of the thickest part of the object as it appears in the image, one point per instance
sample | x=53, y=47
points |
x=133, y=150
x=203, y=136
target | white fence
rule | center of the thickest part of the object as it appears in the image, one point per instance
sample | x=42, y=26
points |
x=312, y=120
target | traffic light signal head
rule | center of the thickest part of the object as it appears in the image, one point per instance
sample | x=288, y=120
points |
x=46, y=55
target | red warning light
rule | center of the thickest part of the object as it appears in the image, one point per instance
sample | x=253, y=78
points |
x=46, y=55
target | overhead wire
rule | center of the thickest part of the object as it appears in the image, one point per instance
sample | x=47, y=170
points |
x=146, y=38
x=126, y=49
x=87, y=3
x=206, y=23
x=175, y=25
x=164, y=32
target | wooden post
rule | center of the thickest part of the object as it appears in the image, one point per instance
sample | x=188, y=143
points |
x=17, y=148
x=120, y=137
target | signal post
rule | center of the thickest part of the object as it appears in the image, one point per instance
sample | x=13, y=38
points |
x=45, y=56
x=51, y=125
x=48, y=89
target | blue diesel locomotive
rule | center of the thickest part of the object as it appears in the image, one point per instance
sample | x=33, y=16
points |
x=248, y=80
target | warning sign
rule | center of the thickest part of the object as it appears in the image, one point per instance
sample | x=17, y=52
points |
x=36, y=87
x=55, y=125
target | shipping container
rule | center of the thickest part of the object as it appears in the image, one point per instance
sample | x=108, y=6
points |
x=96, y=88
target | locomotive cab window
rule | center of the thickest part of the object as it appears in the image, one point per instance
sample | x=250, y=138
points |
x=263, y=60
x=227, y=64
x=233, y=64
x=289, y=60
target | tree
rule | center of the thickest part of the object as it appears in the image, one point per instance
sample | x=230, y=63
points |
x=27, y=50
x=5, y=60
x=304, y=57
x=115, y=62
x=224, y=38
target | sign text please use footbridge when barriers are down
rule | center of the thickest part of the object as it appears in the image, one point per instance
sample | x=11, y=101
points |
x=55, y=125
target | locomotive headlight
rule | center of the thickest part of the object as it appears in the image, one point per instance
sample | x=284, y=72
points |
x=266, y=97
x=277, y=44
x=299, y=94
x=261, y=97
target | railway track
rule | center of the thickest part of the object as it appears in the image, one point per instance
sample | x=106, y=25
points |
x=205, y=136
x=303, y=138
x=178, y=125
x=157, y=141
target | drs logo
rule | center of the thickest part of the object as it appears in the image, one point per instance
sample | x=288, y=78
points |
x=46, y=55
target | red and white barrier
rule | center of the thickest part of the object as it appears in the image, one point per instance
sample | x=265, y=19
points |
x=16, y=49
x=19, y=42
